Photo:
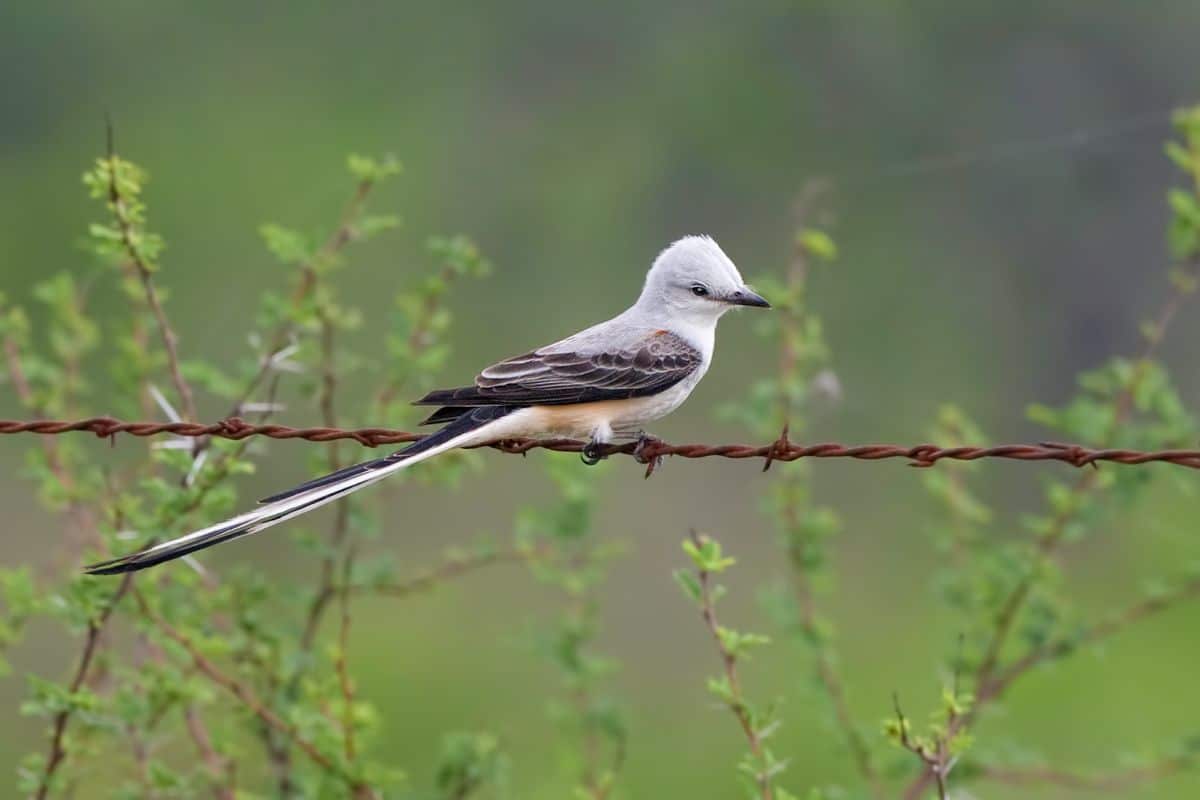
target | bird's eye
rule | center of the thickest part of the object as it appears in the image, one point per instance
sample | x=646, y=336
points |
x=700, y=290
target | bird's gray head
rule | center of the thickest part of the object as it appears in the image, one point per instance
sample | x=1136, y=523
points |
x=694, y=281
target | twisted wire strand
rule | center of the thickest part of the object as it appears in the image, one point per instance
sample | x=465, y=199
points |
x=919, y=455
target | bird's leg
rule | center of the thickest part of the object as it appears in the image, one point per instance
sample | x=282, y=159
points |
x=593, y=452
x=644, y=441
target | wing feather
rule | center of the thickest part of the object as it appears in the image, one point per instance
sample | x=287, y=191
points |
x=554, y=376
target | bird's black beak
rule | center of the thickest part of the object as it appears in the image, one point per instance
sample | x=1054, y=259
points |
x=745, y=297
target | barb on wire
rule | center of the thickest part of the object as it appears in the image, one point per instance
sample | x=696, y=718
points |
x=920, y=455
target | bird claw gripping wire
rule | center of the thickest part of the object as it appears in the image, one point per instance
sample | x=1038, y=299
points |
x=644, y=452
x=592, y=453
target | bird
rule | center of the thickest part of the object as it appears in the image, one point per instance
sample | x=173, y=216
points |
x=603, y=384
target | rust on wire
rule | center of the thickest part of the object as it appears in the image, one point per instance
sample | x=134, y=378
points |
x=921, y=455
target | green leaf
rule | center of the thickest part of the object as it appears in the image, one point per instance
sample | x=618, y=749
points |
x=818, y=243
x=369, y=169
x=374, y=224
x=289, y=246
x=689, y=584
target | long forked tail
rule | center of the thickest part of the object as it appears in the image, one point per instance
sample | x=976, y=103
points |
x=467, y=429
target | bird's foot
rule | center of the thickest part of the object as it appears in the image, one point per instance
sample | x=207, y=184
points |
x=593, y=453
x=643, y=455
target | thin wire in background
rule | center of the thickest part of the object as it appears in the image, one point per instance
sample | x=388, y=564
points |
x=1080, y=138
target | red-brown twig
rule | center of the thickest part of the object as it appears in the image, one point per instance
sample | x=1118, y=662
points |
x=324, y=593
x=417, y=342
x=342, y=660
x=341, y=236
x=989, y=685
x=1115, y=781
x=936, y=756
x=145, y=272
x=1097, y=632
x=222, y=771
x=452, y=567
x=82, y=515
x=737, y=704
x=920, y=455
x=247, y=696
x=791, y=509
x=58, y=750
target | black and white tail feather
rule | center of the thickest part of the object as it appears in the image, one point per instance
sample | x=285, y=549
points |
x=309, y=495
x=648, y=361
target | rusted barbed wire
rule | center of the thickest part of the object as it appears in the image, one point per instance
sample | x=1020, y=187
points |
x=919, y=455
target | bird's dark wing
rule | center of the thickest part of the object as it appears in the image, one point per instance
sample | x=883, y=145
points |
x=558, y=376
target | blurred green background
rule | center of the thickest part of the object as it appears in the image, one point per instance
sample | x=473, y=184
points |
x=573, y=142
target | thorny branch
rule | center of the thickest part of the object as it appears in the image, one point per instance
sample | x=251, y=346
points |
x=129, y=240
x=82, y=516
x=248, y=697
x=345, y=232
x=135, y=250
x=1047, y=544
x=325, y=586
x=791, y=510
x=341, y=236
x=1095, y=633
x=220, y=769
x=342, y=660
x=936, y=758
x=95, y=628
x=12, y=354
x=418, y=340
x=593, y=784
x=920, y=455
x=989, y=685
x=737, y=703
x=325, y=591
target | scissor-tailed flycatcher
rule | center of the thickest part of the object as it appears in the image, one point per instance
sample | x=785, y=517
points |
x=603, y=383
